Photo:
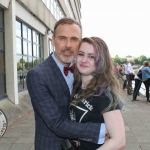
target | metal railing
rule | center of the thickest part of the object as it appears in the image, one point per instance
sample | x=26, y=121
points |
x=142, y=88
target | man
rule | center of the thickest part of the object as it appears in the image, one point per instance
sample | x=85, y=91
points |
x=129, y=71
x=50, y=90
x=125, y=72
x=138, y=83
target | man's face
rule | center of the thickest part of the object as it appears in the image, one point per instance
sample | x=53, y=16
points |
x=66, y=41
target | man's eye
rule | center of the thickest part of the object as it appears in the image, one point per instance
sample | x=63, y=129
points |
x=74, y=39
x=61, y=38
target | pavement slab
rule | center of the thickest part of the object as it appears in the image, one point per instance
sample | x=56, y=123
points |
x=20, y=134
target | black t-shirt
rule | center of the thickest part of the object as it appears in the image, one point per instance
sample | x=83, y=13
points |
x=90, y=110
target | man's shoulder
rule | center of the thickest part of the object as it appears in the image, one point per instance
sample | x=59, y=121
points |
x=43, y=66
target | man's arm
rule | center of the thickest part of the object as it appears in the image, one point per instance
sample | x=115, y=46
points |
x=46, y=106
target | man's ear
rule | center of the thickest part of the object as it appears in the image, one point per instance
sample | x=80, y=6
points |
x=53, y=39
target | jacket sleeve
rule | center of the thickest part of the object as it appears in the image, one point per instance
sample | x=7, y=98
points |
x=45, y=104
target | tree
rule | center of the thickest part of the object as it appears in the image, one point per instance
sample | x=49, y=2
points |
x=36, y=61
x=22, y=60
x=141, y=59
x=148, y=59
x=118, y=60
x=136, y=61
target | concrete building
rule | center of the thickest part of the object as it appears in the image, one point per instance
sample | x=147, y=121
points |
x=26, y=28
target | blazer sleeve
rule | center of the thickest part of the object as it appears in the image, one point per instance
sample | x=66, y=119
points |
x=44, y=103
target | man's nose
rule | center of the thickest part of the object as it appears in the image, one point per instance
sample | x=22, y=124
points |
x=68, y=43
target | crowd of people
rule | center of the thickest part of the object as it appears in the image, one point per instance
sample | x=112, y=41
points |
x=129, y=76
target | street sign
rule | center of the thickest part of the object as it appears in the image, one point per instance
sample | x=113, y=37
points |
x=3, y=123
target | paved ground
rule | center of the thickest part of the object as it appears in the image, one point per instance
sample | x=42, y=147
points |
x=20, y=135
x=137, y=123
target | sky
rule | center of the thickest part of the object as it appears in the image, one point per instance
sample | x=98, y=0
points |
x=123, y=24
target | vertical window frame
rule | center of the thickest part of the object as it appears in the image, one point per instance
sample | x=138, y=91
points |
x=2, y=50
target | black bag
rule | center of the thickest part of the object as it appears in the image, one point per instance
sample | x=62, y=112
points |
x=68, y=144
x=139, y=74
x=132, y=76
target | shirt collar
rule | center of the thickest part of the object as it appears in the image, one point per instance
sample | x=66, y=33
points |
x=61, y=66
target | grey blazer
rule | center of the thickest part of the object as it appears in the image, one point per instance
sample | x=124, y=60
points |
x=50, y=98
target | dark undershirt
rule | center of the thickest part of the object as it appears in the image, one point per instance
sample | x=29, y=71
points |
x=89, y=110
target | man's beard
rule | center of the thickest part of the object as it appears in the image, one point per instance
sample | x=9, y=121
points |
x=64, y=58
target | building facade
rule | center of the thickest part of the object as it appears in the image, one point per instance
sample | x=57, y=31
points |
x=26, y=28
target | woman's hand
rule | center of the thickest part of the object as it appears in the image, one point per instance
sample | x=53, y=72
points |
x=107, y=136
x=77, y=143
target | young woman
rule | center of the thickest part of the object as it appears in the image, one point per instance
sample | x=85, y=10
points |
x=95, y=94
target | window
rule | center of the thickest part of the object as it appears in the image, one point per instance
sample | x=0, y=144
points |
x=2, y=57
x=54, y=8
x=29, y=49
x=69, y=8
x=51, y=48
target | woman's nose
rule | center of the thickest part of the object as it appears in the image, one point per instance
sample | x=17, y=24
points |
x=84, y=59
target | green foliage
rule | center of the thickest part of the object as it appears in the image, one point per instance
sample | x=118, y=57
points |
x=22, y=60
x=138, y=61
x=148, y=59
x=141, y=59
x=19, y=66
x=36, y=61
x=118, y=60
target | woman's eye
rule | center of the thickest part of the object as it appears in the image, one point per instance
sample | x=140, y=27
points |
x=80, y=54
x=91, y=57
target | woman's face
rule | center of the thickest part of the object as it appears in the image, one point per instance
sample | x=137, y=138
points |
x=86, y=59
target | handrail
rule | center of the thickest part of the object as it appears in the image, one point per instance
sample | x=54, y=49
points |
x=142, y=89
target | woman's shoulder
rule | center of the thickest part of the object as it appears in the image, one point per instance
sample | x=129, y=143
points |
x=104, y=93
x=106, y=100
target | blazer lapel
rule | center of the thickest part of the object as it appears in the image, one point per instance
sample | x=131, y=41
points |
x=58, y=74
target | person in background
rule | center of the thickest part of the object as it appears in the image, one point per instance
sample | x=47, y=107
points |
x=137, y=87
x=121, y=71
x=50, y=85
x=95, y=96
x=125, y=72
x=129, y=71
x=116, y=69
x=146, y=78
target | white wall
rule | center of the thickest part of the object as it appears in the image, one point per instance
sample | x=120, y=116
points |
x=4, y=3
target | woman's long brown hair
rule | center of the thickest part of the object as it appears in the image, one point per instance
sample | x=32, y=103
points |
x=103, y=76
